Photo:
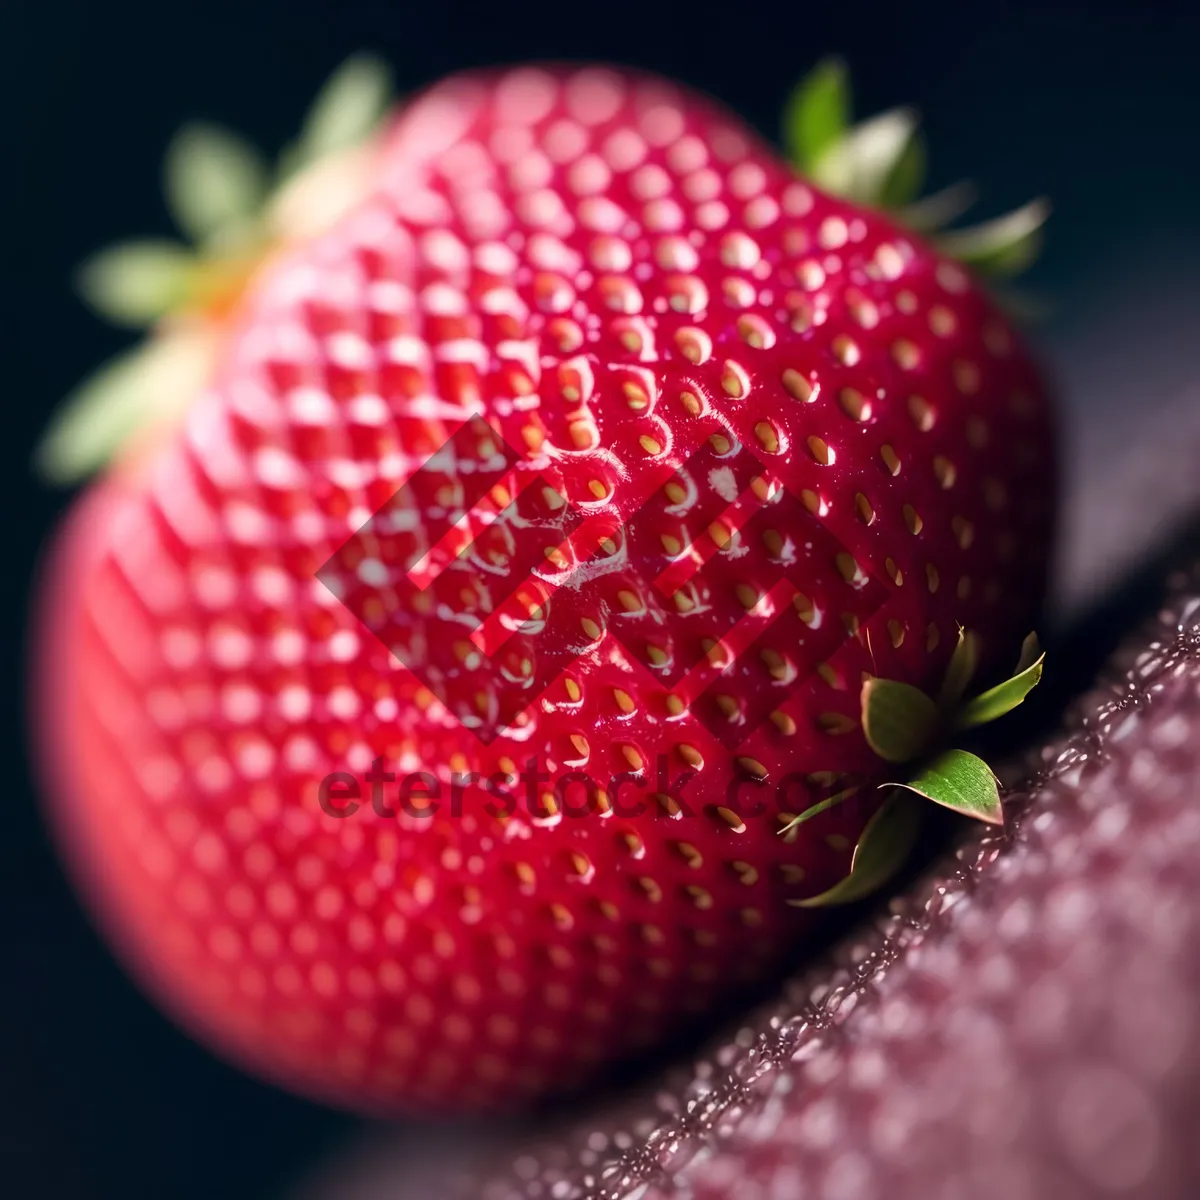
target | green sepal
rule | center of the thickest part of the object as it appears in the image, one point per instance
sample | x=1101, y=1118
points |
x=1004, y=697
x=939, y=209
x=899, y=720
x=131, y=391
x=135, y=283
x=860, y=165
x=95, y=419
x=820, y=807
x=214, y=181
x=347, y=110
x=962, y=782
x=884, y=845
x=1003, y=247
x=817, y=113
x=964, y=662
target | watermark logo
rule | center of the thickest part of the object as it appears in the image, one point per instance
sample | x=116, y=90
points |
x=480, y=569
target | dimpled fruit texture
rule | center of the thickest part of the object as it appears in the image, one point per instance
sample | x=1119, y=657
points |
x=1022, y=1024
x=668, y=335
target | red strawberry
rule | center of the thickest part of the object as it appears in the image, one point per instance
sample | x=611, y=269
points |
x=709, y=391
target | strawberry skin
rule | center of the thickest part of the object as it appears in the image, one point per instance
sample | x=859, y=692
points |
x=679, y=345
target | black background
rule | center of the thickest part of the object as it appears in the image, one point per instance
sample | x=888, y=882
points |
x=1096, y=105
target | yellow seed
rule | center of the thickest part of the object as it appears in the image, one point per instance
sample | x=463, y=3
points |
x=905, y=354
x=721, y=534
x=658, y=657
x=690, y=855
x=671, y=544
x=590, y=627
x=675, y=706
x=765, y=432
x=624, y=700
x=634, y=844
x=944, y=471
x=890, y=459
x=921, y=412
x=676, y=492
x=752, y=766
x=836, y=723
x=783, y=723
x=846, y=350
x=854, y=404
x=732, y=819
x=684, y=602
x=964, y=531
x=897, y=576
x=635, y=396
x=720, y=443
x=733, y=380
x=581, y=744
x=866, y=514
x=932, y=577
x=830, y=676
x=557, y=557
x=648, y=444
x=572, y=689
x=633, y=758
x=820, y=451
x=689, y=401
x=581, y=434
x=607, y=545
x=728, y=706
x=690, y=755
x=746, y=873
x=804, y=608
x=811, y=501
x=912, y=519
x=798, y=387
x=896, y=633
x=629, y=601
x=747, y=595
x=847, y=567
x=701, y=897
x=653, y=891
x=667, y=804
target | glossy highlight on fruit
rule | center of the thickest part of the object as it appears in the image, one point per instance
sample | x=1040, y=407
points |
x=701, y=368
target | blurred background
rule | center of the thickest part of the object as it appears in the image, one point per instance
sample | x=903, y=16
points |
x=1096, y=105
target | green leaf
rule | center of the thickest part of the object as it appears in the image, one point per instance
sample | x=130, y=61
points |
x=817, y=113
x=899, y=720
x=885, y=843
x=347, y=109
x=1005, y=246
x=820, y=807
x=96, y=418
x=859, y=165
x=1004, y=697
x=962, y=782
x=1031, y=652
x=963, y=664
x=214, y=181
x=936, y=211
x=135, y=283
x=907, y=178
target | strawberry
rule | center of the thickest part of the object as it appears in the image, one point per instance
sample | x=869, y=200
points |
x=496, y=667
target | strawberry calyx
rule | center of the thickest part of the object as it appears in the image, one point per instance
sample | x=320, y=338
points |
x=235, y=210
x=906, y=727
x=881, y=163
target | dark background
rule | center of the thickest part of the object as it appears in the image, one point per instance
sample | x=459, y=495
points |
x=1096, y=105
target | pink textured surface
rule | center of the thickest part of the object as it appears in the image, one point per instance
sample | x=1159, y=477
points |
x=1023, y=1024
